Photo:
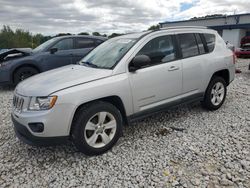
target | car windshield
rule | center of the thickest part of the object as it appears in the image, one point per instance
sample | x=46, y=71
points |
x=108, y=54
x=44, y=45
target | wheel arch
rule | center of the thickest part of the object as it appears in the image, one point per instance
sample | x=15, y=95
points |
x=224, y=73
x=21, y=66
x=114, y=100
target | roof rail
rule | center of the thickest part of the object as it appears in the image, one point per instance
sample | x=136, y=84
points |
x=183, y=27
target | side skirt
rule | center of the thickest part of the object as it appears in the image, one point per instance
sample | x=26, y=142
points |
x=143, y=114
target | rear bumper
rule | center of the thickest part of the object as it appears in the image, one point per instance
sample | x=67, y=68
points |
x=25, y=135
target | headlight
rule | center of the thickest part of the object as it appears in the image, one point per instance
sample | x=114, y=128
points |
x=42, y=103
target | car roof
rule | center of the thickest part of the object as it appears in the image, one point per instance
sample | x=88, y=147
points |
x=133, y=35
x=83, y=36
x=179, y=28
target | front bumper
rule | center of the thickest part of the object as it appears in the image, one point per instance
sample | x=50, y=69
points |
x=25, y=135
x=5, y=78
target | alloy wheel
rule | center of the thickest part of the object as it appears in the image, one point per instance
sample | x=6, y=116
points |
x=100, y=129
x=217, y=93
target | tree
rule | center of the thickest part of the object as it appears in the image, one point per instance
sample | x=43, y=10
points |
x=154, y=27
x=208, y=16
x=83, y=33
x=96, y=34
x=20, y=38
x=114, y=35
x=62, y=34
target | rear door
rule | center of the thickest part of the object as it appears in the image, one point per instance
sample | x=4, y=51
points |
x=159, y=82
x=192, y=48
x=82, y=47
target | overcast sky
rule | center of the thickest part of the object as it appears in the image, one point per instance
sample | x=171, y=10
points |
x=107, y=16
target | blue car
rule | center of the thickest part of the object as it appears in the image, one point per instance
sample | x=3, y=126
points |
x=19, y=64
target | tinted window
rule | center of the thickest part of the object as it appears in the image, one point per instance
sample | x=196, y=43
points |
x=210, y=40
x=200, y=44
x=160, y=50
x=85, y=43
x=188, y=45
x=65, y=44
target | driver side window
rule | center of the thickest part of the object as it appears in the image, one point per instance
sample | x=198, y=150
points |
x=65, y=44
x=160, y=50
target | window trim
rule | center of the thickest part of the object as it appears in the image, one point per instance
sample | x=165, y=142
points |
x=202, y=42
x=175, y=52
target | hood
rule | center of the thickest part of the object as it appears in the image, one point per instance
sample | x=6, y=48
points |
x=51, y=81
x=14, y=53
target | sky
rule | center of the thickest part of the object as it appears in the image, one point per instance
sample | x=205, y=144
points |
x=107, y=16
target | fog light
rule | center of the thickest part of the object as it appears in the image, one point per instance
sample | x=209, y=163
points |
x=36, y=127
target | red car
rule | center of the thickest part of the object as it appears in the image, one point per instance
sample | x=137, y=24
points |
x=245, y=40
x=244, y=51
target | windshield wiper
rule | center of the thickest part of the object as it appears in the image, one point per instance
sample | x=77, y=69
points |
x=88, y=64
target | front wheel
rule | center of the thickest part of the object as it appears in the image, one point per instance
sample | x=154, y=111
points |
x=96, y=128
x=215, y=94
x=23, y=73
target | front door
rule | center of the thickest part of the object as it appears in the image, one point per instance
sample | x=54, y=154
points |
x=160, y=81
x=63, y=55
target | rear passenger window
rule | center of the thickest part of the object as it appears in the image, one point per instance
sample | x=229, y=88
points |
x=200, y=44
x=188, y=45
x=160, y=50
x=210, y=40
x=84, y=43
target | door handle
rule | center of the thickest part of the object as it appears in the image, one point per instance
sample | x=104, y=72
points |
x=173, y=68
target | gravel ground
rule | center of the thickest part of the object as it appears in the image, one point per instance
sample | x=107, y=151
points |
x=184, y=147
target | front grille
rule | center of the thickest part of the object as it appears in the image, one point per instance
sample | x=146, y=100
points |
x=18, y=103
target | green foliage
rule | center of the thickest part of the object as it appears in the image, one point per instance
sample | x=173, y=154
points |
x=208, y=16
x=83, y=33
x=96, y=34
x=114, y=35
x=20, y=38
x=154, y=27
x=62, y=34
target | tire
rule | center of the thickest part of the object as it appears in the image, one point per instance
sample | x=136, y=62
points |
x=23, y=73
x=89, y=132
x=215, y=94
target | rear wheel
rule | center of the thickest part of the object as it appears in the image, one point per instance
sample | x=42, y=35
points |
x=23, y=73
x=215, y=94
x=96, y=128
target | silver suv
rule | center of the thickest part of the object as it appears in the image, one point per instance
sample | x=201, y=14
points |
x=122, y=80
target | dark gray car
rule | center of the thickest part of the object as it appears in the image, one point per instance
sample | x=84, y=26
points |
x=19, y=64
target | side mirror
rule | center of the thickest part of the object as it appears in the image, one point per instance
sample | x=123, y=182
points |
x=53, y=50
x=138, y=62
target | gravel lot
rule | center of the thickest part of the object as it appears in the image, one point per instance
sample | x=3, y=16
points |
x=184, y=147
